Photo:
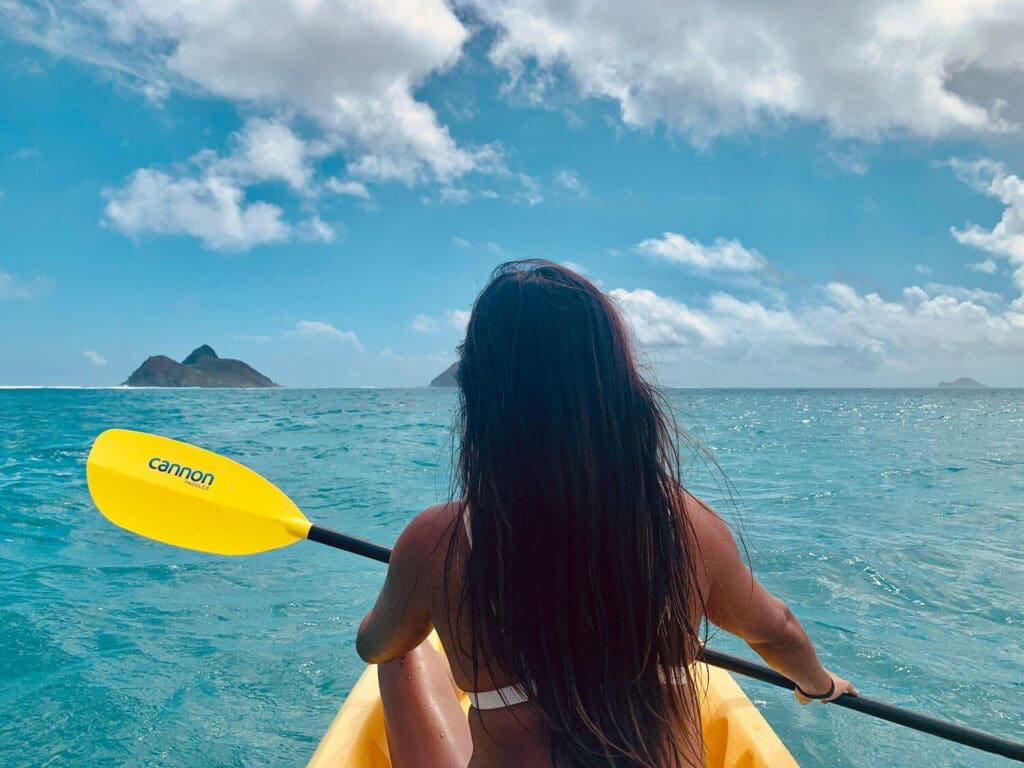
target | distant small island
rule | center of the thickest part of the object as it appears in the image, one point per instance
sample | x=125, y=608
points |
x=962, y=383
x=447, y=377
x=202, y=368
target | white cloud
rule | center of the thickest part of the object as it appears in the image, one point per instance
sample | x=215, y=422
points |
x=570, y=180
x=839, y=337
x=977, y=295
x=1006, y=238
x=212, y=208
x=12, y=287
x=530, y=191
x=347, y=187
x=987, y=266
x=848, y=158
x=94, y=357
x=316, y=229
x=707, y=68
x=714, y=67
x=722, y=255
x=456, y=319
x=977, y=174
x=454, y=195
x=460, y=242
x=318, y=329
x=350, y=66
x=425, y=324
x=922, y=269
x=207, y=198
x=268, y=150
x=658, y=321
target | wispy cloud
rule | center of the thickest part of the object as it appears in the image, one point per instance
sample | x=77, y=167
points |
x=348, y=187
x=425, y=324
x=318, y=329
x=315, y=229
x=530, y=191
x=986, y=266
x=94, y=357
x=13, y=288
x=455, y=319
x=570, y=180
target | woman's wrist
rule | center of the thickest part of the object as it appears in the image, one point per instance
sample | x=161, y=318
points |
x=826, y=695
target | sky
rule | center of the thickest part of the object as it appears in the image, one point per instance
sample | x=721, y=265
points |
x=776, y=194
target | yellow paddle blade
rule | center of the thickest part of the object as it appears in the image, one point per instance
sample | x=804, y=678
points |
x=183, y=495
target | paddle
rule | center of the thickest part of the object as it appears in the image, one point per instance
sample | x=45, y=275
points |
x=179, y=494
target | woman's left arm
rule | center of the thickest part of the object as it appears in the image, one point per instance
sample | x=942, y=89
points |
x=400, y=620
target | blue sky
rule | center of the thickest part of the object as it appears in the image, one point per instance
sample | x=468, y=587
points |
x=321, y=188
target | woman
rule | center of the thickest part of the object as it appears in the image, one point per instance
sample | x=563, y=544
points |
x=569, y=581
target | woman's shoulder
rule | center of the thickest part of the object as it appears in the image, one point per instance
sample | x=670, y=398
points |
x=430, y=531
x=714, y=539
x=706, y=523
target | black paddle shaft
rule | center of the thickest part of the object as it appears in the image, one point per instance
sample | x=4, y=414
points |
x=942, y=728
x=349, y=543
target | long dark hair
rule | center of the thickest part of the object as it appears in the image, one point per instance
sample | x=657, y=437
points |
x=581, y=580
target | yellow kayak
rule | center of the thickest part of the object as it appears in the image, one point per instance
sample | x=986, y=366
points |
x=735, y=733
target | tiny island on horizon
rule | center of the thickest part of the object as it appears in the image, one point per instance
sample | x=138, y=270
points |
x=447, y=379
x=963, y=382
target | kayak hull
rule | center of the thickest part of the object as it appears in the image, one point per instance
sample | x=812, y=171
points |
x=735, y=733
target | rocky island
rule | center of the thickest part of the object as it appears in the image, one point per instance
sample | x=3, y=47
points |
x=962, y=383
x=202, y=368
x=447, y=377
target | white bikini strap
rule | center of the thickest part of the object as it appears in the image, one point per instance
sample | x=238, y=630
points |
x=465, y=524
x=499, y=698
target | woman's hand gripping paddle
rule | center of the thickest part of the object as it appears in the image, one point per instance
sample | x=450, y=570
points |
x=179, y=494
x=183, y=495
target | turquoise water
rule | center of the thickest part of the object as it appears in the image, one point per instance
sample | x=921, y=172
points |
x=891, y=521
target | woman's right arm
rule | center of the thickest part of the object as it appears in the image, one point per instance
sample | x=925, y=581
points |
x=737, y=602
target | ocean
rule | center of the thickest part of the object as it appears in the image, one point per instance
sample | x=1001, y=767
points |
x=891, y=521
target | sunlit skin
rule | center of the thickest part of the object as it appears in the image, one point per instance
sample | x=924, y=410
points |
x=576, y=509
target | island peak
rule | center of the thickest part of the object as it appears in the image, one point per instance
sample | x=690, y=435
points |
x=202, y=368
x=199, y=353
x=447, y=377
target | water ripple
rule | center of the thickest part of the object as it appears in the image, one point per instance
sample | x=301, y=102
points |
x=890, y=520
